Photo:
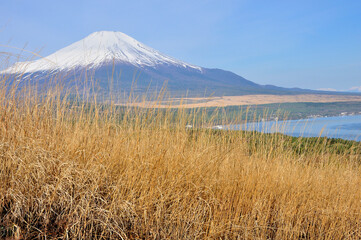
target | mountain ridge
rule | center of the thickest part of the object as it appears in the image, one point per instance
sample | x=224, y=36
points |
x=99, y=48
x=101, y=54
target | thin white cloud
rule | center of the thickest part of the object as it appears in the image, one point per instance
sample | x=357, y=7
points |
x=355, y=89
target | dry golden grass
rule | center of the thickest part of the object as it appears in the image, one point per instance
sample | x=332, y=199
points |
x=86, y=171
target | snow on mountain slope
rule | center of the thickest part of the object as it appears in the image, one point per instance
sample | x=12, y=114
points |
x=97, y=49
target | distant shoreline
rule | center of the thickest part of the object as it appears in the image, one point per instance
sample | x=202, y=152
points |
x=347, y=127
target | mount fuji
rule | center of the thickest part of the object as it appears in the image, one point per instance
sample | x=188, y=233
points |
x=116, y=61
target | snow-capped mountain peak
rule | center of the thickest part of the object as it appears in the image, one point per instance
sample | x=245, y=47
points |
x=97, y=49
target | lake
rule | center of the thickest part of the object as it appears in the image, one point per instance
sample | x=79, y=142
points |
x=345, y=127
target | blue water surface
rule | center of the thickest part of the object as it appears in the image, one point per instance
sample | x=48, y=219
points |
x=345, y=127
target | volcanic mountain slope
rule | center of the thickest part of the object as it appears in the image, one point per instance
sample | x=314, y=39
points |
x=118, y=62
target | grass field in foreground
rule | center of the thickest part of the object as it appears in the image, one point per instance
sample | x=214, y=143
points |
x=85, y=171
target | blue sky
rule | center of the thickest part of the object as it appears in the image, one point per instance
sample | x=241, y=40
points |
x=309, y=44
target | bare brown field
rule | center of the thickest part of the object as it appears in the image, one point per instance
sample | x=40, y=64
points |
x=246, y=100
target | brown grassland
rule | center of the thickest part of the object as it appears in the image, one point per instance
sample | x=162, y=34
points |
x=74, y=170
x=256, y=99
